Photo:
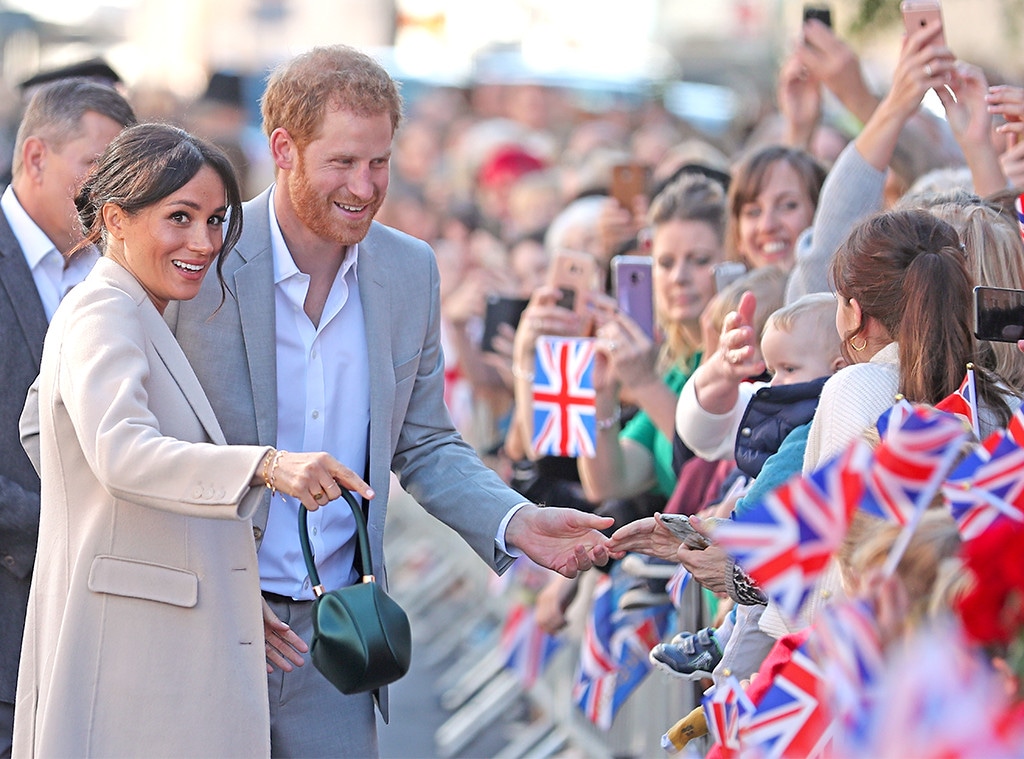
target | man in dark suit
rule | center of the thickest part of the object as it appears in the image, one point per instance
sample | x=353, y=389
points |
x=66, y=125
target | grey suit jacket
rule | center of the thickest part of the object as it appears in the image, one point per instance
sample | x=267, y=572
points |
x=233, y=351
x=22, y=328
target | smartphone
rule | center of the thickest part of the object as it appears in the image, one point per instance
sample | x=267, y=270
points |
x=634, y=290
x=575, y=274
x=679, y=525
x=998, y=314
x=820, y=13
x=500, y=310
x=728, y=272
x=920, y=14
x=628, y=181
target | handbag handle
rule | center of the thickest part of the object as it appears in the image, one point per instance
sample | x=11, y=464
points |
x=364, y=544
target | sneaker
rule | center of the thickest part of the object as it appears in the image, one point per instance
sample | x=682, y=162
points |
x=639, y=565
x=695, y=657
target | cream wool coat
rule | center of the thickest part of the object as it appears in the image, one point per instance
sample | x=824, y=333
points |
x=144, y=634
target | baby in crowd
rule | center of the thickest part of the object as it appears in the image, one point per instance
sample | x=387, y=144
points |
x=764, y=427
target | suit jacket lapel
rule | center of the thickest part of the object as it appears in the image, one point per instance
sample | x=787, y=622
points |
x=373, y=293
x=17, y=281
x=250, y=272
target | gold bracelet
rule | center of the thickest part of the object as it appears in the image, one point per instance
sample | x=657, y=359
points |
x=266, y=466
x=273, y=472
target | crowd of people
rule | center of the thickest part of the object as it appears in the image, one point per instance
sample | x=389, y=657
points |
x=220, y=363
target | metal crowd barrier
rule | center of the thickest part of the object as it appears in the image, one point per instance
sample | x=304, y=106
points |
x=456, y=614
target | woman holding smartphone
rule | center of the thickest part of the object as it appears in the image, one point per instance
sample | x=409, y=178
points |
x=687, y=221
x=144, y=633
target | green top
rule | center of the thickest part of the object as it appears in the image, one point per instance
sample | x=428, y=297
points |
x=643, y=430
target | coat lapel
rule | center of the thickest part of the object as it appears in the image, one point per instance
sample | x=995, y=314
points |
x=16, y=278
x=167, y=347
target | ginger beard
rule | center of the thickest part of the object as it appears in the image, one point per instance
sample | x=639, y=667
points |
x=322, y=216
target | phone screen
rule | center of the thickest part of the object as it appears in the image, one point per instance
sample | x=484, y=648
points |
x=628, y=181
x=998, y=314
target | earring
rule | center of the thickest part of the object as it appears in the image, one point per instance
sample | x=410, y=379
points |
x=862, y=346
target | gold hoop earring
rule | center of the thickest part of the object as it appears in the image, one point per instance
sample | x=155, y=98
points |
x=862, y=346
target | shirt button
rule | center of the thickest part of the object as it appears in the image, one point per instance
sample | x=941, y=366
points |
x=745, y=432
x=315, y=531
x=316, y=414
x=313, y=353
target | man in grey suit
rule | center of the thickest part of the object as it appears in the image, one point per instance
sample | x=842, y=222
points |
x=328, y=340
x=66, y=125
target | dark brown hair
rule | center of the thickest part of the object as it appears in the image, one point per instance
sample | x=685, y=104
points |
x=908, y=271
x=142, y=166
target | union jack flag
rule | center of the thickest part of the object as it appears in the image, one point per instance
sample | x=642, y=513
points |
x=964, y=401
x=785, y=542
x=613, y=656
x=564, y=418
x=527, y=648
x=676, y=585
x=725, y=706
x=987, y=486
x=791, y=719
x=1018, y=205
x=918, y=448
x=846, y=644
x=1015, y=429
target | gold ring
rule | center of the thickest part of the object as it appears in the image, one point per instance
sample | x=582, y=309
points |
x=318, y=496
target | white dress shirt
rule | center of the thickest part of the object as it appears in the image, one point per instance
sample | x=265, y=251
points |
x=323, y=404
x=53, y=279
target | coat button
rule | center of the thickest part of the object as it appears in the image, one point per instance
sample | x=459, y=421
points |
x=9, y=561
x=197, y=492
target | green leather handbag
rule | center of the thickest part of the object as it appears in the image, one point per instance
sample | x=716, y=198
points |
x=361, y=637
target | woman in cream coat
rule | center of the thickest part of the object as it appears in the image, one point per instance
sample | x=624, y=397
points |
x=144, y=634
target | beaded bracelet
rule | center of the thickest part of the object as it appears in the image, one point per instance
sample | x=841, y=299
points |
x=273, y=471
x=522, y=374
x=607, y=424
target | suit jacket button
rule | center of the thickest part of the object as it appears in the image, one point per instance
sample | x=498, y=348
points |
x=9, y=561
x=257, y=532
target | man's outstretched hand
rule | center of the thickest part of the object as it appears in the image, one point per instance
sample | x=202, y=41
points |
x=562, y=539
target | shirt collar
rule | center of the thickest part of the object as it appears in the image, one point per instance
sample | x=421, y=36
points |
x=33, y=241
x=284, y=264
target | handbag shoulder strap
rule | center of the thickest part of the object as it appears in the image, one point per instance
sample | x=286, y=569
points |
x=364, y=544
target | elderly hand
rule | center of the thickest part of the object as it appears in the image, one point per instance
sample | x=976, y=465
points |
x=647, y=536
x=562, y=539
x=707, y=566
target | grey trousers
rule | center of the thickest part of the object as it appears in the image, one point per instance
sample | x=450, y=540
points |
x=308, y=716
x=747, y=646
